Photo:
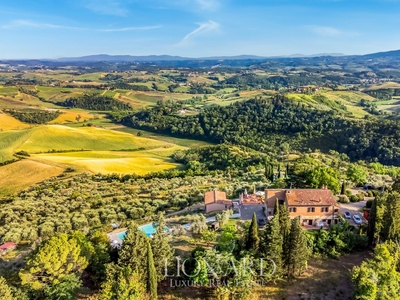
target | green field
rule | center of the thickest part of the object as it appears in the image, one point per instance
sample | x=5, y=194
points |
x=57, y=137
x=189, y=143
x=349, y=99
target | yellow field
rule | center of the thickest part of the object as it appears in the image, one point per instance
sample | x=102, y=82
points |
x=139, y=162
x=69, y=116
x=386, y=85
x=9, y=123
x=22, y=174
x=57, y=137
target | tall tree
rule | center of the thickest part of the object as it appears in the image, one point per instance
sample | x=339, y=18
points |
x=272, y=243
x=160, y=245
x=134, y=251
x=372, y=223
x=357, y=174
x=253, y=239
x=378, y=278
x=5, y=291
x=276, y=207
x=122, y=283
x=55, y=259
x=152, y=274
x=284, y=226
x=298, y=252
x=391, y=230
x=343, y=188
x=320, y=176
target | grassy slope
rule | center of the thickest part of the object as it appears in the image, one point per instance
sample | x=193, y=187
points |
x=350, y=99
x=139, y=162
x=48, y=137
x=9, y=123
x=22, y=174
x=386, y=85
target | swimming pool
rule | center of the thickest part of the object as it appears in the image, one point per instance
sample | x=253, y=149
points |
x=148, y=229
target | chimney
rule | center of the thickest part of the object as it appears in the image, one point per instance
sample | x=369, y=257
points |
x=215, y=196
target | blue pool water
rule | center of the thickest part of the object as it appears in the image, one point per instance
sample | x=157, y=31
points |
x=148, y=229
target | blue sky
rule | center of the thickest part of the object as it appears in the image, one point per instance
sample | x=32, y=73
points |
x=197, y=28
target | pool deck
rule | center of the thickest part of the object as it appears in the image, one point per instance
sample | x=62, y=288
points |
x=114, y=238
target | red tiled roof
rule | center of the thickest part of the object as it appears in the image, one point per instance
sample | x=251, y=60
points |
x=7, y=245
x=214, y=196
x=252, y=199
x=309, y=197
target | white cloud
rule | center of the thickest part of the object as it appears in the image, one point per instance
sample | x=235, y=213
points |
x=106, y=7
x=129, y=28
x=327, y=31
x=32, y=24
x=203, y=28
x=208, y=4
x=324, y=30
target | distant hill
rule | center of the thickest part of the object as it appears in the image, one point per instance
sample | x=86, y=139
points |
x=156, y=58
x=125, y=58
x=105, y=58
x=387, y=54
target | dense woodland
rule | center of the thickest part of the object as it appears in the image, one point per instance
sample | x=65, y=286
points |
x=95, y=102
x=265, y=124
x=33, y=116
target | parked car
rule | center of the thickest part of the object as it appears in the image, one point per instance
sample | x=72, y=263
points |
x=347, y=215
x=357, y=219
x=261, y=222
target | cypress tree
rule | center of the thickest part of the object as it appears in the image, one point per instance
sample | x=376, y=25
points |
x=298, y=252
x=391, y=223
x=287, y=170
x=272, y=244
x=343, y=189
x=276, y=208
x=134, y=250
x=372, y=223
x=151, y=274
x=160, y=245
x=284, y=226
x=252, y=237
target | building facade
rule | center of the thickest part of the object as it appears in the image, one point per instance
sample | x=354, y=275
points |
x=315, y=207
x=216, y=201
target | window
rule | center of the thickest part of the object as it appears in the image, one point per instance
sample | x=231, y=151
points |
x=324, y=209
x=292, y=209
x=310, y=209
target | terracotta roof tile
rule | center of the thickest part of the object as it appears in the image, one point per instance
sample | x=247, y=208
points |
x=7, y=245
x=310, y=197
x=214, y=196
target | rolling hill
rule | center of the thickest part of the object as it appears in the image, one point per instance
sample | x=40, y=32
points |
x=62, y=138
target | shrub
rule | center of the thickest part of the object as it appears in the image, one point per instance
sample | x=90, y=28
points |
x=348, y=193
x=370, y=194
x=343, y=199
x=354, y=198
x=22, y=153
